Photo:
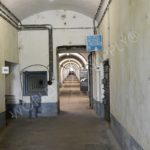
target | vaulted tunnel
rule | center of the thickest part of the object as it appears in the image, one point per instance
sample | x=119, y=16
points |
x=74, y=74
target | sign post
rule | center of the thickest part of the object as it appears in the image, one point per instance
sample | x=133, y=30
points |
x=94, y=43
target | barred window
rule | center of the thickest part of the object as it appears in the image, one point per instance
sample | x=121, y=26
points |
x=34, y=82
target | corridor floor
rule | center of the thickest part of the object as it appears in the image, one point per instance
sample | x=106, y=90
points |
x=76, y=128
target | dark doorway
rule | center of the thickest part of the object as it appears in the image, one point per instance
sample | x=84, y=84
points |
x=90, y=80
x=10, y=99
x=106, y=82
x=84, y=80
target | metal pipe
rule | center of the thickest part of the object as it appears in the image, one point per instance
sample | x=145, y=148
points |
x=10, y=22
x=16, y=23
x=94, y=30
x=90, y=57
x=8, y=17
x=96, y=15
x=83, y=28
x=7, y=10
x=50, y=33
x=50, y=37
x=104, y=13
x=99, y=9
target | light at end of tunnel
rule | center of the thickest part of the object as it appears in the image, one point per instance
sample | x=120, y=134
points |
x=71, y=69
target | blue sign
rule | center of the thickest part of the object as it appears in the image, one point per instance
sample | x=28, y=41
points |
x=94, y=43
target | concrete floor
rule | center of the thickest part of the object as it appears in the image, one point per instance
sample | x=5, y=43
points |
x=76, y=128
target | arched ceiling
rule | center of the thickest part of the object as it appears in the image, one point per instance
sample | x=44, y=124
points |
x=26, y=8
x=75, y=56
x=63, y=62
x=72, y=57
x=74, y=65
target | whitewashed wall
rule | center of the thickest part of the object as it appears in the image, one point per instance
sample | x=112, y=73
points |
x=8, y=52
x=130, y=71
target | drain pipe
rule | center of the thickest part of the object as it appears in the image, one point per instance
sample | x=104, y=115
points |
x=96, y=15
x=10, y=22
x=94, y=27
x=49, y=28
x=107, y=7
x=90, y=57
x=3, y=7
x=8, y=16
x=98, y=12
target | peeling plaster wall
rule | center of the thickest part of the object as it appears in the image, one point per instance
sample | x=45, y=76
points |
x=130, y=66
x=8, y=52
x=33, y=44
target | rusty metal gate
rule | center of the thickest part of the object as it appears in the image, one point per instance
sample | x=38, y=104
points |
x=106, y=83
